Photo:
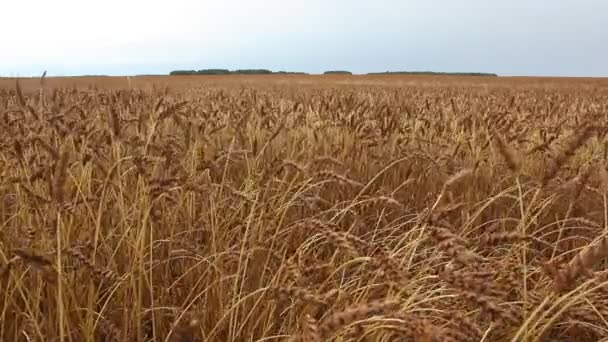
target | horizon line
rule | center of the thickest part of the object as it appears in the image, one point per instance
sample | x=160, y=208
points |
x=444, y=74
x=328, y=72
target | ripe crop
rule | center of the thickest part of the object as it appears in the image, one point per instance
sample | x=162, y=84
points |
x=304, y=209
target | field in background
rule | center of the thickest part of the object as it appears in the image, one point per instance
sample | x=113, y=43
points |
x=315, y=81
x=303, y=208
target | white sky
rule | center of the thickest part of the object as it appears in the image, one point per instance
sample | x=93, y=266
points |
x=517, y=37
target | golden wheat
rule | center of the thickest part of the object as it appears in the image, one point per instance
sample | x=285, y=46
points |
x=314, y=209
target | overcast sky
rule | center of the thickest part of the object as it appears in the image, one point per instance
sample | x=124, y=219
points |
x=119, y=37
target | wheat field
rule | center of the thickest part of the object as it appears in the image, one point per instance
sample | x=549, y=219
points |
x=303, y=208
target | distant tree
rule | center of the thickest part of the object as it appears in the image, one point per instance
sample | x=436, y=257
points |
x=213, y=72
x=182, y=72
x=433, y=73
x=337, y=72
x=252, y=72
x=228, y=72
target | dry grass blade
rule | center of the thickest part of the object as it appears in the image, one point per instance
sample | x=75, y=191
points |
x=101, y=274
x=354, y=313
x=567, y=152
x=507, y=153
x=580, y=265
x=32, y=257
x=494, y=239
x=310, y=331
x=337, y=178
x=60, y=176
x=300, y=294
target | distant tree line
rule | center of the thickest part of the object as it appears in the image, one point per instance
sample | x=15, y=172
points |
x=232, y=72
x=330, y=72
x=433, y=73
